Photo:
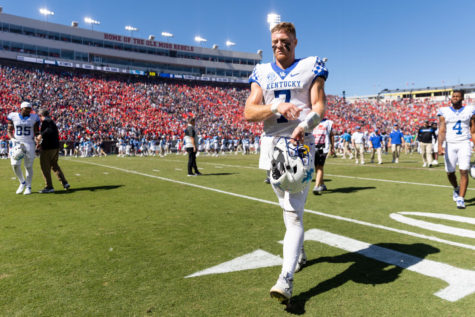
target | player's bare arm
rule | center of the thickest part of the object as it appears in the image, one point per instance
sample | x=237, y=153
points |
x=10, y=130
x=472, y=128
x=441, y=138
x=318, y=100
x=255, y=110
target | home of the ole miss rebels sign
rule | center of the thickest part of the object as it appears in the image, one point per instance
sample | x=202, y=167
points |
x=132, y=40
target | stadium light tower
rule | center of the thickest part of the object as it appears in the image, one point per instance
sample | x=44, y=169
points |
x=46, y=13
x=91, y=22
x=200, y=40
x=273, y=19
x=229, y=43
x=167, y=35
x=131, y=29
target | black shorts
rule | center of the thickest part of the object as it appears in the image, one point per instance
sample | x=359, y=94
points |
x=320, y=157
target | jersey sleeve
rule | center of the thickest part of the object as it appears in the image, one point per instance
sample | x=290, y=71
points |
x=254, y=78
x=319, y=69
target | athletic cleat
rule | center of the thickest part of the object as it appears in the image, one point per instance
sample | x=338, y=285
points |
x=424, y=165
x=282, y=290
x=301, y=261
x=46, y=190
x=460, y=203
x=397, y=161
x=435, y=163
x=324, y=188
x=21, y=188
x=317, y=190
x=267, y=180
x=455, y=195
x=191, y=174
x=66, y=186
x=27, y=191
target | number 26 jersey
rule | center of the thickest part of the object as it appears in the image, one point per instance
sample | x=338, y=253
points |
x=287, y=85
x=24, y=126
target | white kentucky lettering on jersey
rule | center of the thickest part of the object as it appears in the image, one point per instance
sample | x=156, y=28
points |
x=457, y=123
x=287, y=85
x=24, y=126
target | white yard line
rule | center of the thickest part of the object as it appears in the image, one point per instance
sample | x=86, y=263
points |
x=364, y=223
x=344, y=176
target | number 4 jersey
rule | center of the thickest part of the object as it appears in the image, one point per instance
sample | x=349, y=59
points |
x=24, y=126
x=457, y=123
x=287, y=85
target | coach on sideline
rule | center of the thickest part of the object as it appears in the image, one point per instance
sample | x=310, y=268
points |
x=49, y=142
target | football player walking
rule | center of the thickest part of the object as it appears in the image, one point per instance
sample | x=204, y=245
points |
x=289, y=96
x=456, y=127
x=22, y=128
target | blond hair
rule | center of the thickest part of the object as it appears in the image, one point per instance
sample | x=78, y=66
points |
x=287, y=27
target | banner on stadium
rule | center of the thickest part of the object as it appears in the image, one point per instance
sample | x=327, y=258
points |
x=127, y=71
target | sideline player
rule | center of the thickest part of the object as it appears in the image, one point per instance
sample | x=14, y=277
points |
x=23, y=127
x=456, y=126
x=289, y=96
x=324, y=143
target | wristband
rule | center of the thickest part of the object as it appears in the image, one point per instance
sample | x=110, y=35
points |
x=310, y=121
x=274, y=108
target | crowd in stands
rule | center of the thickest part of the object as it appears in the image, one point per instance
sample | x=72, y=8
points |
x=97, y=106
x=90, y=105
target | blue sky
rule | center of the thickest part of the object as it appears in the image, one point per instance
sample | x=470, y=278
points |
x=371, y=45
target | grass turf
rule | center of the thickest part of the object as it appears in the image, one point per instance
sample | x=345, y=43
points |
x=122, y=240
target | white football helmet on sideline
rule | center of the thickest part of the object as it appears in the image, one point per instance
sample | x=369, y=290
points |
x=472, y=170
x=291, y=169
x=18, y=151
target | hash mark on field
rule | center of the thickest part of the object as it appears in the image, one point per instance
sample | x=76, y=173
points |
x=318, y=213
x=156, y=170
x=105, y=173
x=77, y=174
x=178, y=169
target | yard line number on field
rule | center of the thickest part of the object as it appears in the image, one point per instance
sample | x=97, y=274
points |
x=461, y=282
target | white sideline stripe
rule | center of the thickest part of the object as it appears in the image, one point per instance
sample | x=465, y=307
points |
x=254, y=260
x=400, y=216
x=368, y=224
x=392, y=181
x=461, y=282
x=344, y=176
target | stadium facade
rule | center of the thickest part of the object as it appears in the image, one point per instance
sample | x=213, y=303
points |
x=41, y=42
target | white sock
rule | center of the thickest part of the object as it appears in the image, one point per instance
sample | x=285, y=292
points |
x=29, y=175
x=18, y=173
x=293, y=241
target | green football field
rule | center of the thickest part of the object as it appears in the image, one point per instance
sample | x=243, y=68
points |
x=137, y=237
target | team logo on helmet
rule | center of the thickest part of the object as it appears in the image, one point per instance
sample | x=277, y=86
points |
x=291, y=169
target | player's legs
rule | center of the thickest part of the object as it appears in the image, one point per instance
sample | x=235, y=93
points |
x=464, y=155
x=463, y=183
x=378, y=151
x=293, y=206
x=361, y=152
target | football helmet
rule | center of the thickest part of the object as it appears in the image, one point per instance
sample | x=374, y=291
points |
x=472, y=170
x=18, y=151
x=291, y=169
